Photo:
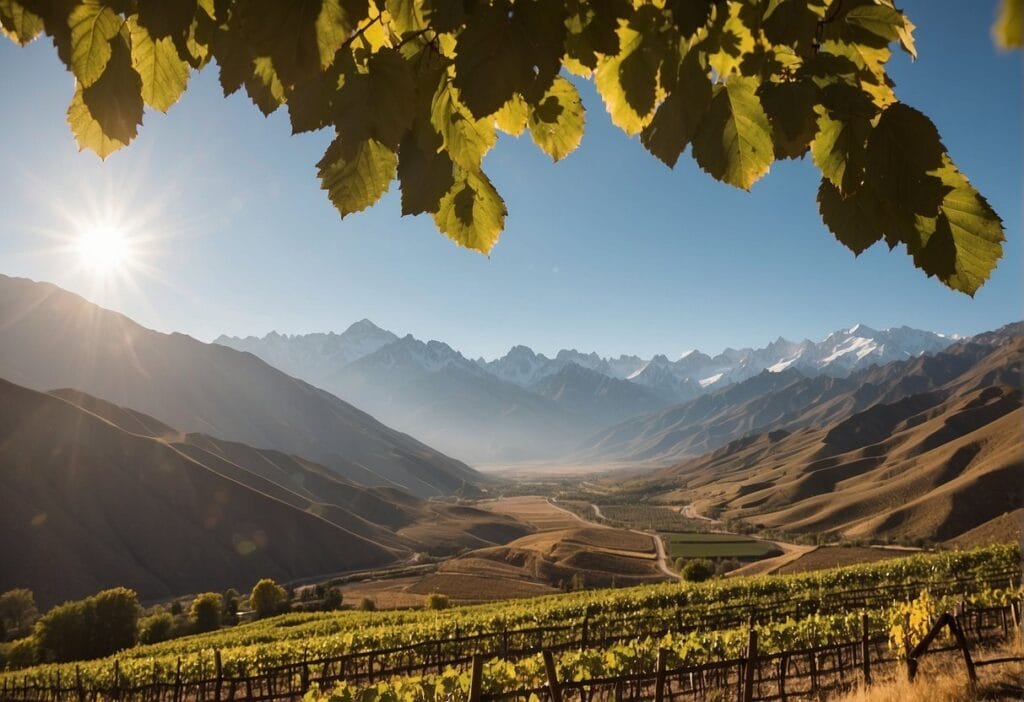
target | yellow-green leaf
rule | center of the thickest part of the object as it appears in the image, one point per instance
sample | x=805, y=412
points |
x=678, y=117
x=164, y=75
x=628, y=81
x=472, y=213
x=557, y=120
x=1009, y=25
x=93, y=26
x=356, y=176
x=734, y=141
x=466, y=139
x=88, y=132
x=512, y=117
x=18, y=23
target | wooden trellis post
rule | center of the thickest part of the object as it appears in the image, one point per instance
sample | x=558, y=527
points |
x=659, y=680
x=476, y=682
x=865, y=648
x=552, y=673
x=751, y=664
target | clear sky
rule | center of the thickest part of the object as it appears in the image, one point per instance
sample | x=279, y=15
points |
x=607, y=250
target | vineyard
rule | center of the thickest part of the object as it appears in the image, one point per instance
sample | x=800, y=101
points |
x=810, y=630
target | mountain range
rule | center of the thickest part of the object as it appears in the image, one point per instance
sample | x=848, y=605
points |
x=50, y=338
x=928, y=448
x=526, y=406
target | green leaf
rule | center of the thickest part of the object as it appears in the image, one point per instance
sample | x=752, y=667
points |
x=299, y=36
x=628, y=81
x=87, y=131
x=164, y=75
x=734, y=142
x=356, y=175
x=264, y=86
x=472, y=213
x=424, y=177
x=93, y=26
x=406, y=15
x=234, y=58
x=167, y=18
x=792, y=23
x=488, y=60
x=106, y=115
x=557, y=120
x=310, y=104
x=844, y=124
x=592, y=29
x=21, y=25
x=679, y=116
x=1009, y=25
x=391, y=96
x=689, y=15
x=513, y=115
x=882, y=21
x=466, y=139
x=902, y=152
x=855, y=220
x=970, y=228
x=730, y=39
x=790, y=109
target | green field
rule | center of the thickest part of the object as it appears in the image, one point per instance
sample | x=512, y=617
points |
x=703, y=545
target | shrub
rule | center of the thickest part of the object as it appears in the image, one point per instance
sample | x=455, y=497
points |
x=176, y=608
x=698, y=570
x=156, y=628
x=17, y=613
x=91, y=628
x=267, y=598
x=332, y=599
x=229, y=605
x=367, y=604
x=436, y=600
x=205, y=612
x=20, y=653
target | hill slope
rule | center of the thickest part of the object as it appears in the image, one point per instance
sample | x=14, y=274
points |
x=86, y=505
x=787, y=399
x=931, y=465
x=96, y=495
x=51, y=338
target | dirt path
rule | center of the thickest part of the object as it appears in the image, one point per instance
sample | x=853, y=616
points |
x=659, y=546
x=690, y=512
x=767, y=566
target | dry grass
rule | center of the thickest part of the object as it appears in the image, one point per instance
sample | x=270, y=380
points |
x=532, y=510
x=836, y=556
x=943, y=678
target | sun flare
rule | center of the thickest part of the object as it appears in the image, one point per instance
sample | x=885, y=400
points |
x=104, y=248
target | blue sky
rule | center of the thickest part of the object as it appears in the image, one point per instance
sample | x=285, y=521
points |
x=607, y=250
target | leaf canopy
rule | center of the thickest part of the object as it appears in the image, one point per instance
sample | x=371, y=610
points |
x=418, y=89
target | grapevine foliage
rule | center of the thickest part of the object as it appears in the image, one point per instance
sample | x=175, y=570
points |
x=417, y=90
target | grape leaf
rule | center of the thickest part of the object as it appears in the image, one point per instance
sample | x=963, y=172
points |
x=489, y=62
x=854, y=220
x=557, y=121
x=18, y=23
x=1009, y=25
x=513, y=115
x=424, y=177
x=628, y=81
x=678, y=117
x=472, y=213
x=93, y=26
x=166, y=19
x=164, y=75
x=734, y=141
x=466, y=139
x=356, y=176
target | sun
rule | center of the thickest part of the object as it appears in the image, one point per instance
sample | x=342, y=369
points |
x=104, y=249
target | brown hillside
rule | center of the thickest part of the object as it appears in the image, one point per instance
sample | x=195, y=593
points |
x=51, y=338
x=934, y=465
x=85, y=505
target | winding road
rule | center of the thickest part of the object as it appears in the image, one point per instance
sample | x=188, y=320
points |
x=659, y=546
